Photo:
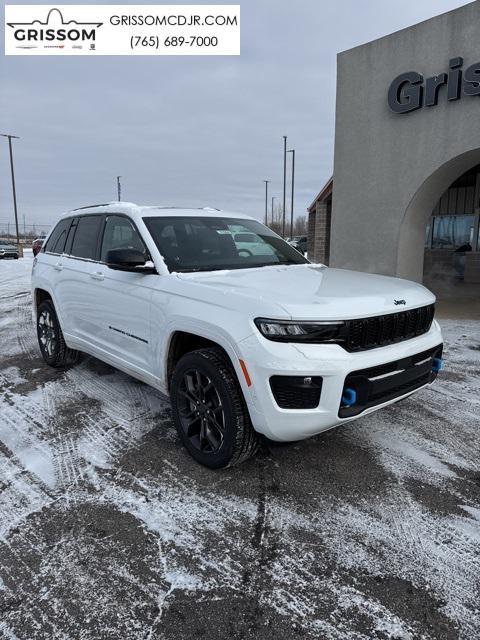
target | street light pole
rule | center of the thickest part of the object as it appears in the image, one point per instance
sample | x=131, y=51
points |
x=119, y=189
x=266, y=200
x=292, y=151
x=284, y=182
x=273, y=199
x=6, y=135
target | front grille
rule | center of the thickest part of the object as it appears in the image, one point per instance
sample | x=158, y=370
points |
x=385, y=382
x=379, y=331
x=296, y=392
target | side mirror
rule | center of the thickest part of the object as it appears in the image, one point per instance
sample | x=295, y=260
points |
x=125, y=259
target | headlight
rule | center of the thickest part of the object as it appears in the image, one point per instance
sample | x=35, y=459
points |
x=309, y=332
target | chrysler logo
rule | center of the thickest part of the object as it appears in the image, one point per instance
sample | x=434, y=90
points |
x=55, y=31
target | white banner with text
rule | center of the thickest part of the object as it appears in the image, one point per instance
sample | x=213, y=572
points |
x=117, y=30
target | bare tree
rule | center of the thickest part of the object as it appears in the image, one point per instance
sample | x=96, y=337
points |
x=300, y=226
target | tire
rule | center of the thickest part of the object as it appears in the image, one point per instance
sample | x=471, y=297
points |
x=209, y=410
x=50, y=338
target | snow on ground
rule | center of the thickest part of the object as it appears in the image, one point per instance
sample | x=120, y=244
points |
x=108, y=529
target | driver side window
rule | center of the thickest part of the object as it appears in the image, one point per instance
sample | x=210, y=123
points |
x=120, y=234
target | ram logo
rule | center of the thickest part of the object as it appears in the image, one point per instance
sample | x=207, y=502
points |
x=397, y=302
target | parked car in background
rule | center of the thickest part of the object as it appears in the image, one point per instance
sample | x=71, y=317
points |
x=299, y=243
x=244, y=342
x=37, y=244
x=8, y=250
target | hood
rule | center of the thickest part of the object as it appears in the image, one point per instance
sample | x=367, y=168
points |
x=8, y=247
x=314, y=292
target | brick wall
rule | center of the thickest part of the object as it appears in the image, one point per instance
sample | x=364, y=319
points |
x=311, y=235
x=321, y=250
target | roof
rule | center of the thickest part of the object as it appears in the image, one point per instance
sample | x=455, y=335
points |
x=136, y=210
x=324, y=193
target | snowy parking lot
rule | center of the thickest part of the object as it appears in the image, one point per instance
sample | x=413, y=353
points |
x=109, y=530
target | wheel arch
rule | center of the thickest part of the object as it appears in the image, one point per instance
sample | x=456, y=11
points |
x=40, y=295
x=181, y=342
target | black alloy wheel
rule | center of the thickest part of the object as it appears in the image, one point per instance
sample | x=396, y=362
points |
x=209, y=410
x=201, y=411
x=50, y=337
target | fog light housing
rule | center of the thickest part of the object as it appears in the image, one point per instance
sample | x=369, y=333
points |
x=296, y=392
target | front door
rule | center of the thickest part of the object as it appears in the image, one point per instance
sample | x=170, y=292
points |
x=122, y=298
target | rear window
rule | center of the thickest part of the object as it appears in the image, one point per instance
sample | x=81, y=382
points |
x=85, y=241
x=56, y=241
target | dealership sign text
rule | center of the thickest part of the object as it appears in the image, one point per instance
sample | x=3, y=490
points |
x=409, y=91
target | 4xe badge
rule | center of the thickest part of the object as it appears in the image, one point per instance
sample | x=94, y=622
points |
x=53, y=31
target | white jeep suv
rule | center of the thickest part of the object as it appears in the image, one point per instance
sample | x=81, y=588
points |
x=244, y=342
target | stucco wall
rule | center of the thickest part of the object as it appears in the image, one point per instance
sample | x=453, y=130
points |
x=390, y=168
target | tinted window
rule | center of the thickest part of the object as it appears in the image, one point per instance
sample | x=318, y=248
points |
x=85, y=241
x=56, y=241
x=206, y=244
x=120, y=234
x=70, y=236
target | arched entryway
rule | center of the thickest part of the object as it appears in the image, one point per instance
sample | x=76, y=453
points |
x=442, y=218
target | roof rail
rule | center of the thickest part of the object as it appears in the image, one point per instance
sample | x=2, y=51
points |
x=91, y=206
x=163, y=206
x=103, y=204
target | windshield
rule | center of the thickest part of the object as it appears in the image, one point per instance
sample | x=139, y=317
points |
x=208, y=244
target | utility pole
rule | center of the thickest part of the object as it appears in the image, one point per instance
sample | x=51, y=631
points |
x=292, y=151
x=9, y=136
x=284, y=182
x=119, y=189
x=266, y=200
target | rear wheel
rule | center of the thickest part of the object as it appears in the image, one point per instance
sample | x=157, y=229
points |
x=50, y=338
x=209, y=410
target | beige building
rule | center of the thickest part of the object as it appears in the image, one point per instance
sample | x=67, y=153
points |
x=405, y=199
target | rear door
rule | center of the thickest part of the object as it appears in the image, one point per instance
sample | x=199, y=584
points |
x=49, y=268
x=80, y=260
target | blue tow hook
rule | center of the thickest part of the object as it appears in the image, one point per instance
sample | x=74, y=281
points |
x=437, y=364
x=349, y=397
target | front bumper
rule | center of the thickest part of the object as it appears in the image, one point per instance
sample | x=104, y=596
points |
x=265, y=359
x=9, y=253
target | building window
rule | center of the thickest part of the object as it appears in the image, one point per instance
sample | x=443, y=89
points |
x=450, y=232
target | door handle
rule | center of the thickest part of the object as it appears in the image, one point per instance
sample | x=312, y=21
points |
x=58, y=266
x=97, y=275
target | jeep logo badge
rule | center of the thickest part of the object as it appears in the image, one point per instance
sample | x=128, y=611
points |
x=397, y=302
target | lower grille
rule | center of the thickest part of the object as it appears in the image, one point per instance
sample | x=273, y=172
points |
x=385, y=382
x=296, y=392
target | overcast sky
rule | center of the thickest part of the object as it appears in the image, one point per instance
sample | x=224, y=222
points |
x=189, y=130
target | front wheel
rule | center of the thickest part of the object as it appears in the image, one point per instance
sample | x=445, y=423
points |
x=209, y=410
x=50, y=337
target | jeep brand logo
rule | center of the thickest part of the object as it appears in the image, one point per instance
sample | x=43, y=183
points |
x=408, y=91
x=397, y=302
x=54, y=30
